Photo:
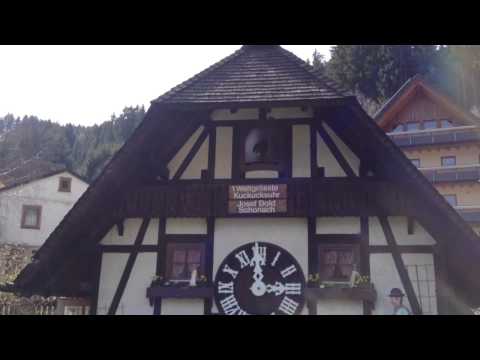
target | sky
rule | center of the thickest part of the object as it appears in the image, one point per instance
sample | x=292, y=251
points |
x=85, y=85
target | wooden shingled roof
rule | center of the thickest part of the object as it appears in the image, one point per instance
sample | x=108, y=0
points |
x=169, y=122
x=255, y=73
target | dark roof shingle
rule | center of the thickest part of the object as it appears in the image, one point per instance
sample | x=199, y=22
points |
x=255, y=73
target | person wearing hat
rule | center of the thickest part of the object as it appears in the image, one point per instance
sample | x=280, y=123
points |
x=396, y=299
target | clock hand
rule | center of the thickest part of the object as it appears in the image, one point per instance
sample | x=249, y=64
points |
x=278, y=288
x=258, y=287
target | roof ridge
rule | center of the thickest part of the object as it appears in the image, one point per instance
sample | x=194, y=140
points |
x=199, y=75
x=319, y=76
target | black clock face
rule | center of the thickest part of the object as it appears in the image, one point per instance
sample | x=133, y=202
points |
x=259, y=279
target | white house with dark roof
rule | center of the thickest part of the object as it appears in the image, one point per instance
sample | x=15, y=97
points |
x=34, y=198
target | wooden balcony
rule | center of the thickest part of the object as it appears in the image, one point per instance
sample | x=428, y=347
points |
x=452, y=174
x=454, y=135
x=366, y=293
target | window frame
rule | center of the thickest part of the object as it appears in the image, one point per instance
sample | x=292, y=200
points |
x=38, y=209
x=69, y=182
x=347, y=244
x=448, y=157
x=442, y=121
x=188, y=245
x=430, y=121
x=412, y=122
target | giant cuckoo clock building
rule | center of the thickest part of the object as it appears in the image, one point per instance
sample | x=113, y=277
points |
x=258, y=187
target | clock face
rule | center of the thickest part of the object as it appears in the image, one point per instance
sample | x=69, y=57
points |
x=259, y=279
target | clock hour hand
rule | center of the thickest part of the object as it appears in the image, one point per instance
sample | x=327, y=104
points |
x=278, y=288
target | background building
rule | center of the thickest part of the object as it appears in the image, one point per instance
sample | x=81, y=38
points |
x=441, y=139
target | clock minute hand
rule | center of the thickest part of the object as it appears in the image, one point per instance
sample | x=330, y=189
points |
x=258, y=287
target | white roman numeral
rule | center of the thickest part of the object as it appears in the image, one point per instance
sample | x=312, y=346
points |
x=230, y=305
x=243, y=258
x=288, y=306
x=262, y=250
x=276, y=258
x=288, y=271
x=293, y=288
x=226, y=288
x=229, y=270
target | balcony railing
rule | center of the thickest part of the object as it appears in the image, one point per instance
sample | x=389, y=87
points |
x=452, y=173
x=457, y=134
x=470, y=214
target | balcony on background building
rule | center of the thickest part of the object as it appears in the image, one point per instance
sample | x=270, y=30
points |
x=470, y=214
x=452, y=135
x=454, y=173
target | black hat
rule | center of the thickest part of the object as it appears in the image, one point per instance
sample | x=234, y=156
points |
x=396, y=292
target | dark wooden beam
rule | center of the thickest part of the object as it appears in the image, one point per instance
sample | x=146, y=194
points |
x=128, y=267
x=402, y=249
x=212, y=144
x=399, y=264
x=209, y=248
x=126, y=249
x=160, y=268
x=365, y=257
x=120, y=227
x=313, y=152
x=335, y=152
x=312, y=259
x=96, y=286
x=193, y=151
x=410, y=225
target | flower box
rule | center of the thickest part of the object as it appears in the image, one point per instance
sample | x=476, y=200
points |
x=364, y=292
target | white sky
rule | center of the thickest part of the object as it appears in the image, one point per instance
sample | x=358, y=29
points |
x=85, y=85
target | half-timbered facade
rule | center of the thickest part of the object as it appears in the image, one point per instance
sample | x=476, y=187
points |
x=271, y=184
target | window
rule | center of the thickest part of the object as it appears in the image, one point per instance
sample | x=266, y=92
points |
x=449, y=160
x=451, y=199
x=75, y=310
x=31, y=216
x=430, y=124
x=398, y=128
x=65, y=184
x=415, y=162
x=445, y=123
x=336, y=262
x=412, y=126
x=183, y=258
x=423, y=281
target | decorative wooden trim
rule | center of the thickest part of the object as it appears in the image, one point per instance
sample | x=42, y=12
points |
x=402, y=270
x=337, y=154
x=365, y=258
x=38, y=209
x=191, y=154
x=67, y=181
x=209, y=248
x=410, y=225
x=96, y=287
x=402, y=249
x=212, y=148
x=160, y=267
x=312, y=259
x=128, y=267
x=255, y=122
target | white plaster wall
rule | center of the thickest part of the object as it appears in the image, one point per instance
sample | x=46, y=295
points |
x=326, y=160
x=301, y=151
x=182, y=307
x=376, y=234
x=184, y=226
x=111, y=272
x=198, y=163
x=134, y=300
x=178, y=158
x=348, y=154
x=261, y=174
x=339, y=307
x=131, y=227
x=44, y=192
x=420, y=236
x=223, y=153
x=338, y=225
